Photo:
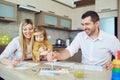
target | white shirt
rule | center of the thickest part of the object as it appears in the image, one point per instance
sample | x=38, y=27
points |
x=97, y=51
x=13, y=50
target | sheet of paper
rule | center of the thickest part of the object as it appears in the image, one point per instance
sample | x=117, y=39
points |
x=24, y=65
x=90, y=67
x=86, y=67
x=62, y=64
x=52, y=71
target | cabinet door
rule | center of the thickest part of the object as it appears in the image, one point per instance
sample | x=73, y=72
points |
x=50, y=20
x=105, y=5
x=8, y=11
x=65, y=23
x=118, y=28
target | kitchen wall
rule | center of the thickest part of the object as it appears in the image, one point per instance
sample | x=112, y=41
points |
x=49, y=5
x=45, y=5
x=12, y=28
x=76, y=16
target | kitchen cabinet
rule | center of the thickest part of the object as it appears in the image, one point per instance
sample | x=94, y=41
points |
x=65, y=22
x=105, y=5
x=46, y=19
x=8, y=11
x=51, y=20
x=118, y=19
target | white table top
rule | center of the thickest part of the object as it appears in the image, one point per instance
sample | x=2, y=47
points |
x=33, y=73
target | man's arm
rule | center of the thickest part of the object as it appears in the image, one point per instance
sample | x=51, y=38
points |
x=59, y=55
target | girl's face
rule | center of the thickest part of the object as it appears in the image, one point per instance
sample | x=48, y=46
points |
x=28, y=31
x=39, y=37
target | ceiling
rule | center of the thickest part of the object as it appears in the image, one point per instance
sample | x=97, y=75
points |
x=75, y=3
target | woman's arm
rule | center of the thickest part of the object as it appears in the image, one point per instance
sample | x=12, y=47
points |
x=9, y=62
x=9, y=50
x=6, y=61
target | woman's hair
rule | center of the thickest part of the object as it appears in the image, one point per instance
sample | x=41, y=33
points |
x=42, y=30
x=94, y=16
x=22, y=38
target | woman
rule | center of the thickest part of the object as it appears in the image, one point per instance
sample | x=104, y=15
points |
x=20, y=47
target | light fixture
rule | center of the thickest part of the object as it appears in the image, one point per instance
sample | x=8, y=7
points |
x=69, y=3
x=29, y=7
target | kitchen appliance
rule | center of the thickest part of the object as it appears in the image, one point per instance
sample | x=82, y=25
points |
x=67, y=43
x=59, y=42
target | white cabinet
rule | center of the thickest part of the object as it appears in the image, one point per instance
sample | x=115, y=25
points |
x=106, y=5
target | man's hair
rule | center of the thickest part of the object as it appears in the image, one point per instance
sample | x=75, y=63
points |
x=94, y=16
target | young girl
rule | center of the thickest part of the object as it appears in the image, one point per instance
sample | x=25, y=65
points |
x=41, y=45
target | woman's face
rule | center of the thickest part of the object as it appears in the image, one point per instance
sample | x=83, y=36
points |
x=28, y=31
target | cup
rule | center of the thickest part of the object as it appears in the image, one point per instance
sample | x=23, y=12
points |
x=78, y=72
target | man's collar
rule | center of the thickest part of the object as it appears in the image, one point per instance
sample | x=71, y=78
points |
x=98, y=38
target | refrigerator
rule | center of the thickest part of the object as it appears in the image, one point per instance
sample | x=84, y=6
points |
x=109, y=25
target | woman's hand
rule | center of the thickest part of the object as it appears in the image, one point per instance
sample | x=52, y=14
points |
x=15, y=62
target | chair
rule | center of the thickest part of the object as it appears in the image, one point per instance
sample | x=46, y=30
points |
x=2, y=47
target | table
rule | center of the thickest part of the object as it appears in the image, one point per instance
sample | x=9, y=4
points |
x=30, y=74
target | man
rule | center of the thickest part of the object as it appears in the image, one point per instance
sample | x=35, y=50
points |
x=97, y=46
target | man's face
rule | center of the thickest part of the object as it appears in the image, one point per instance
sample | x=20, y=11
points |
x=89, y=26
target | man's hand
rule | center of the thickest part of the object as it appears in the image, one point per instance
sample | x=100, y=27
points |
x=109, y=65
x=52, y=56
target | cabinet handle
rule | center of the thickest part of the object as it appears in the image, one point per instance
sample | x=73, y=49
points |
x=51, y=12
x=104, y=10
x=31, y=6
x=66, y=16
x=51, y=25
x=2, y=17
x=65, y=27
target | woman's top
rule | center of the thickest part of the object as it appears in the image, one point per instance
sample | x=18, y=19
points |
x=13, y=50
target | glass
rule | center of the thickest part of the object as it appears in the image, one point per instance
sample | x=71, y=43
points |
x=78, y=72
x=65, y=23
x=49, y=19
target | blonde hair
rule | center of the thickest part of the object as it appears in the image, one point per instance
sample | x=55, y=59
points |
x=41, y=29
x=22, y=38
